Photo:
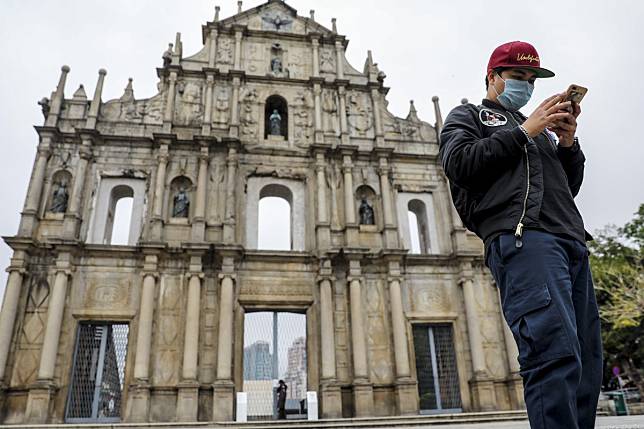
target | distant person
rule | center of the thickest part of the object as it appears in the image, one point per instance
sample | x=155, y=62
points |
x=513, y=186
x=281, y=400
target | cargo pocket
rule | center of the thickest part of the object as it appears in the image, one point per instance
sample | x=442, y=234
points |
x=537, y=324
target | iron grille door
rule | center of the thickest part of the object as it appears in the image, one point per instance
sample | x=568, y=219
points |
x=438, y=387
x=96, y=387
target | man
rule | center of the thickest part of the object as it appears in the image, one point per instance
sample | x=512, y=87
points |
x=281, y=400
x=513, y=186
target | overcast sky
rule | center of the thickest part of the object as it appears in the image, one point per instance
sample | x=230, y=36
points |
x=426, y=48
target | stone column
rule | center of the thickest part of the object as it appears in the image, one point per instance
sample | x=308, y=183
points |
x=159, y=190
x=331, y=400
x=481, y=383
x=207, y=116
x=10, y=307
x=344, y=126
x=212, y=51
x=73, y=216
x=377, y=117
x=139, y=397
x=229, y=221
x=514, y=381
x=224, y=388
x=339, y=55
x=57, y=100
x=41, y=393
x=319, y=132
x=351, y=227
x=234, y=108
x=238, y=48
x=322, y=225
x=390, y=230
x=188, y=397
x=199, y=219
x=362, y=388
x=315, y=43
x=169, y=106
x=29, y=213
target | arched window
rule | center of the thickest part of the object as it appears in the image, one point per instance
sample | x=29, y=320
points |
x=181, y=198
x=276, y=117
x=119, y=216
x=417, y=215
x=274, y=230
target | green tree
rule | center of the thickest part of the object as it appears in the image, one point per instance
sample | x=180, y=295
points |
x=617, y=264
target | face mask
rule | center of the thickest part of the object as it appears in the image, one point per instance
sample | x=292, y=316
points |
x=516, y=94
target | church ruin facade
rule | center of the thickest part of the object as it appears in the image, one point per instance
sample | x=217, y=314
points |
x=401, y=315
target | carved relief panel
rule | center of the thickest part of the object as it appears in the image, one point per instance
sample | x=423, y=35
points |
x=189, y=103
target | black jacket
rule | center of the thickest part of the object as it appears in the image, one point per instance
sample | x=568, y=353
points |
x=495, y=174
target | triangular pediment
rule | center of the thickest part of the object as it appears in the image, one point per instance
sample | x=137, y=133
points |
x=276, y=16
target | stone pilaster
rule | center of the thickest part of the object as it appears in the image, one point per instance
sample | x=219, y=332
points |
x=231, y=175
x=73, y=216
x=159, y=190
x=317, y=92
x=344, y=125
x=212, y=48
x=390, y=230
x=351, y=226
x=29, y=215
x=139, y=397
x=234, y=108
x=207, y=116
x=188, y=395
x=330, y=396
x=169, y=106
x=199, y=218
x=41, y=393
x=481, y=383
x=10, y=306
x=224, y=388
x=362, y=388
x=322, y=226
x=377, y=115
x=339, y=55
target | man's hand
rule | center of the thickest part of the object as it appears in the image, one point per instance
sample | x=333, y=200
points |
x=565, y=128
x=548, y=113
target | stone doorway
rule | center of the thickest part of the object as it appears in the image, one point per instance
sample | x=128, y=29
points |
x=275, y=349
x=438, y=388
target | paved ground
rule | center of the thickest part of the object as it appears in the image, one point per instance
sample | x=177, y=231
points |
x=624, y=422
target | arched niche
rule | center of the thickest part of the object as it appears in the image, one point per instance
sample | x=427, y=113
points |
x=367, y=206
x=181, y=198
x=60, y=192
x=276, y=110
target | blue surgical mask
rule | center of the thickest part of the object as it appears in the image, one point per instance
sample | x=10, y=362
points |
x=516, y=94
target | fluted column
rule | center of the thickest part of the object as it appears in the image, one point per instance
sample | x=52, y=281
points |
x=327, y=331
x=234, y=108
x=34, y=192
x=357, y=330
x=144, y=334
x=224, y=350
x=344, y=126
x=377, y=116
x=207, y=116
x=385, y=190
x=315, y=43
x=73, y=215
x=191, y=341
x=212, y=51
x=229, y=221
x=349, y=206
x=320, y=170
x=10, y=307
x=199, y=219
x=55, y=313
x=319, y=132
x=169, y=106
x=238, y=48
x=339, y=53
x=400, y=332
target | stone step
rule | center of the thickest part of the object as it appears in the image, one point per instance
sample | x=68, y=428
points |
x=362, y=423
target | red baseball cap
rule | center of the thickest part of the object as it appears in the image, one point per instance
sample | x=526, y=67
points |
x=518, y=54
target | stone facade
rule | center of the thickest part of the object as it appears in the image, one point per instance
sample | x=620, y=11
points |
x=190, y=272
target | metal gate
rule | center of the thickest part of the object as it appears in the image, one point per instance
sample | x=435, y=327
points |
x=275, y=349
x=438, y=387
x=96, y=388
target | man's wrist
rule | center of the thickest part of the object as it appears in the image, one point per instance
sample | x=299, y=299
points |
x=526, y=133
x=571, y=147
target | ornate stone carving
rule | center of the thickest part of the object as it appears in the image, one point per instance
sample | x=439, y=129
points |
x=222, y=107
x=327, y=60
x=330, y=108
x=225, y=51
x=249, y=113
x=359, y=114
x=189, y=108
x=275, y=21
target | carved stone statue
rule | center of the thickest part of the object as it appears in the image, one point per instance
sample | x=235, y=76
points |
x=44, y=105
x=276, y=65
x=276, y=22
x=366, y=213
x=181, y=204
x=275, y=123
x=59, y=200
x=167, y=56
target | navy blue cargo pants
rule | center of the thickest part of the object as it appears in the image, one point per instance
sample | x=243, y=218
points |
x=548, y=300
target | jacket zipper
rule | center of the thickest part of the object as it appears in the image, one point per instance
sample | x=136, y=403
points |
x=518, y=232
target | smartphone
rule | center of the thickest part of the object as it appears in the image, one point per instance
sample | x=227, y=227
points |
x=575, y=93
